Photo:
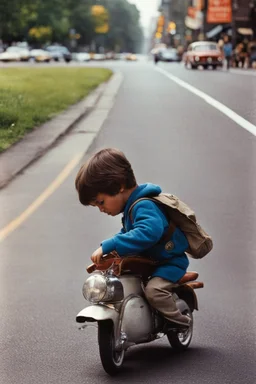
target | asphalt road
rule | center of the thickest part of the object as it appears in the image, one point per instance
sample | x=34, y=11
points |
x=172, y=137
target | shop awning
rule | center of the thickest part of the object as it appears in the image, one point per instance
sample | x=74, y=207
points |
x=245, y=31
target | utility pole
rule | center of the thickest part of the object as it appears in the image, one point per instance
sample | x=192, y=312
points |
x=234, y=11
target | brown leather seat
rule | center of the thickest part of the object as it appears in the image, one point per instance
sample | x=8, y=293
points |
x=189, y=276
x=196, y=284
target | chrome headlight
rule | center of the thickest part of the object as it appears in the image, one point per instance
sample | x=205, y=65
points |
x=197, y=58
x=100, y=288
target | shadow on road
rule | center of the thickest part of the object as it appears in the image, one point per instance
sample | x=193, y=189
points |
x=143, y=364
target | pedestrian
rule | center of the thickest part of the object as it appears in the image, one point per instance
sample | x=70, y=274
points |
x=107, y=181
x=227, y=50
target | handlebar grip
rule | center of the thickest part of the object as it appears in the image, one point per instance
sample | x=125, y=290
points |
x=91, y=268
x=112, y=255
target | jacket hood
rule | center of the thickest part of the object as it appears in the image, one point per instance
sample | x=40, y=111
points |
x=143, y=190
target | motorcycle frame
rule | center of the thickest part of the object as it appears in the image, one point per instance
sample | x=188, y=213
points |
x=115, y=312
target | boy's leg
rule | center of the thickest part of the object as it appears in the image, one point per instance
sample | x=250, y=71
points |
x=159, y=295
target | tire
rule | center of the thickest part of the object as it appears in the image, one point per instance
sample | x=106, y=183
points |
x=111, y=360
x=180, y=340
x=193, y=66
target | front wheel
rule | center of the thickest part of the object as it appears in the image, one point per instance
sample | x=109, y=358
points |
x=111, y=359
x=180, y=339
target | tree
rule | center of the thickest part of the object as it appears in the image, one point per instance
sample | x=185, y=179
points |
x=18, y=17
x=38, y=21
x=82, y=21
x=125, y=33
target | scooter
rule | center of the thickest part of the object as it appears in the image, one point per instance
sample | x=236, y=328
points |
x=116, y=290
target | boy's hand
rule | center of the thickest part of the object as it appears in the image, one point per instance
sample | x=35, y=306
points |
x=97, y=255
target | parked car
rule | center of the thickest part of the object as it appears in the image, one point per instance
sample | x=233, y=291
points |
x=204, y=53
x=81, y=56
x=15, y=54
x=40, y=55
x=169, y=55
x=131, y=57
x=59, y=52
x=98, y=56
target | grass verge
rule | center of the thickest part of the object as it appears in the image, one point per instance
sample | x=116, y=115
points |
x=31, y=96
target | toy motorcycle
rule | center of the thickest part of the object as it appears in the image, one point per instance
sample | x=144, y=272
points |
x=125, y=318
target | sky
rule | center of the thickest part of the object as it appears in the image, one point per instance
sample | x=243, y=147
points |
x=147, y=8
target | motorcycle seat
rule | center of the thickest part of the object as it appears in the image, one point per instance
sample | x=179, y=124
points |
x=139, y=266
x=196, y=284
x=189, y=276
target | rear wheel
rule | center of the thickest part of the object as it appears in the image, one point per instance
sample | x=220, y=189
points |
x=180, y=339
x=111, y=359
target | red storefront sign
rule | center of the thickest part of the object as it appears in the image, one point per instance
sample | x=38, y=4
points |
x=219, y=11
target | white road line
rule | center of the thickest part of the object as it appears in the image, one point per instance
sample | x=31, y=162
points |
x=214, y=103
x=8, y=229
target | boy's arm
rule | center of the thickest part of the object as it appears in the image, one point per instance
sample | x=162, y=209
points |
x=148, y=229
x=98, y=253
x=120, y=232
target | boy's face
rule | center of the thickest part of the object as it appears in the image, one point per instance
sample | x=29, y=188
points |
x=111, y=205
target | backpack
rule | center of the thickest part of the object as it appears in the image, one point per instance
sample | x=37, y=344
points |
x=182, y=216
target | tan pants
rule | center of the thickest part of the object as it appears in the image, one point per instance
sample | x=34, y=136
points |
x=159, y=295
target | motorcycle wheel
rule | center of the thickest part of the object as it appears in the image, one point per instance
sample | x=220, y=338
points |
x=111, y=360
x=180, y=339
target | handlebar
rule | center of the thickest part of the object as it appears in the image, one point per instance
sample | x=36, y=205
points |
x=106, y=262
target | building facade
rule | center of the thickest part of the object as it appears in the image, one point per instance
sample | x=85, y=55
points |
x=190, y=20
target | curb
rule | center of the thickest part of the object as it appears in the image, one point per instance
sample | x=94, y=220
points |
x=20, y=155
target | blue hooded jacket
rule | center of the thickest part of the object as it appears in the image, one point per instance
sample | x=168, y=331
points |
x=143, y=235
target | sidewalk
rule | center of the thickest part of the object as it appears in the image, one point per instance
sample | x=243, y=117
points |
x=244, y=71
x=20, y=155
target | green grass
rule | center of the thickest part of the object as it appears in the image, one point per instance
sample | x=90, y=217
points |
x=31, y=96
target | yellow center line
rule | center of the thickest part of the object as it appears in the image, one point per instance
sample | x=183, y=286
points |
x=14, y=224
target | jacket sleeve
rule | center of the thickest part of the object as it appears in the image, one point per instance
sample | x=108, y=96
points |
x=148, y=228
x=120, y=232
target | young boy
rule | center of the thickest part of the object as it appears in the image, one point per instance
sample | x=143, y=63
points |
x=107, y=181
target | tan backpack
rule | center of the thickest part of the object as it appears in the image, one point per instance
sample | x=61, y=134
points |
x=182, y=216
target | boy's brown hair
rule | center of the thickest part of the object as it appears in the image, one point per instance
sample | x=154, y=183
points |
x=107, y=171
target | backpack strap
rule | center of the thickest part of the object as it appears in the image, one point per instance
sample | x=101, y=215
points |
x=172, y=226
x=135, y=202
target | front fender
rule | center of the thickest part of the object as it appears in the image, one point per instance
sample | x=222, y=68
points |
x=97, y=313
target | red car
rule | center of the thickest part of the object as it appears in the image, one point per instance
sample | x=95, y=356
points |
x=204, y=53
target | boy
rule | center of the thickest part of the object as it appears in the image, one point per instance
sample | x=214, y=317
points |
x=107, y=181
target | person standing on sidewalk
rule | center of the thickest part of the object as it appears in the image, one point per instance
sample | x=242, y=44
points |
x=227, y=50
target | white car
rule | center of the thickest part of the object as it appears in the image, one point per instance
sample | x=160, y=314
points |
x=40, y=55
x=81, y=56
x=98, y=56
x=15, y=54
